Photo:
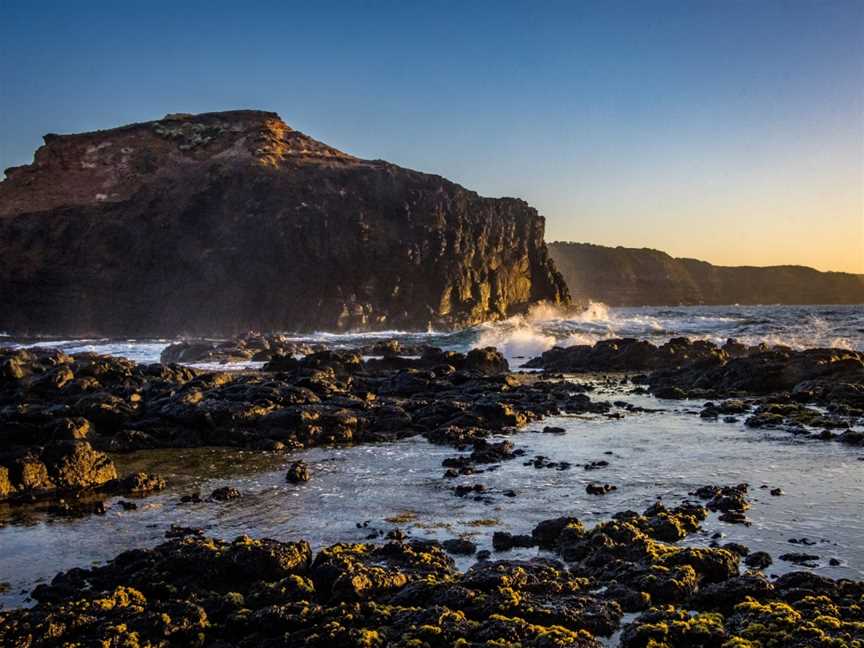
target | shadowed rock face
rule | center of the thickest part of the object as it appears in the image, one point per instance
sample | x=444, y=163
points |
x=642, y=277
x=223, y=222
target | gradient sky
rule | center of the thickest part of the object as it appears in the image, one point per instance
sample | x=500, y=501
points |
x=728, y=131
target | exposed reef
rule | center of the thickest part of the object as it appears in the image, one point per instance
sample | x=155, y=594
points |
x=811, y=388
x=198, y=591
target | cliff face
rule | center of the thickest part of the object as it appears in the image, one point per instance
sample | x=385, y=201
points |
x=642, y=277
x=224, y=222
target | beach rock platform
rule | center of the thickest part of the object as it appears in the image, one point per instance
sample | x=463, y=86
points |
x=198, y=591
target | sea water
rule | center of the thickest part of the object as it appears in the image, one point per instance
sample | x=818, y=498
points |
x=525, y=336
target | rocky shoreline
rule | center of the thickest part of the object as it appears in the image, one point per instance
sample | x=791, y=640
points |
x=197, y=591
x=627, y=575
x=817, y=392
x=62, y=413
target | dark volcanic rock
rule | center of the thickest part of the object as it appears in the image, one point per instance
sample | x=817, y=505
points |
x=219, y=223
x=250, y=346
x=786, y=378
x=53, y=432
x=197, y=591
x=629, y=354
x=642, y=277
x=298, y=472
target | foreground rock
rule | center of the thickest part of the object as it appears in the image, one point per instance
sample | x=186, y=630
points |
x=197, y=591
x=219, y=223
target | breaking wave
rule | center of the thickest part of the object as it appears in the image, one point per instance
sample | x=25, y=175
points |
x=524, y=336
x=798, y=327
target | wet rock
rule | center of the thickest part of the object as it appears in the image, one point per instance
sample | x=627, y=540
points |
x=725, y=595
x=596, y=465
x=670, y=393
x=75, y=508
x=737, y=548
x=547, y=533
x=734, y=517
x=628, y=354
x=488, y=361
x=298, y=472
x=550, y=429
x=140, y=483
x=800, y=558
x=725, y=498
x=600, y=489
x=758, y=560
x=224, y=494
x=459, y=546
x=504, y=541
x=467, y=489
x=674, y=628
x=75, y=464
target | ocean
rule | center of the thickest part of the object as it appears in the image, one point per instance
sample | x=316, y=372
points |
x=522, y=337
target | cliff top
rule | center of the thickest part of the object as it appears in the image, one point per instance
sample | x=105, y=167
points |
x=111, y=165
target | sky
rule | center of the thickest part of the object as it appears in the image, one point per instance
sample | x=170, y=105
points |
x=727, y=131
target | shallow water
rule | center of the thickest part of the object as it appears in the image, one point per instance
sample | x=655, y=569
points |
x=666, y=454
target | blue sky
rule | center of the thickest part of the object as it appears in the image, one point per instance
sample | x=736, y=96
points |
x=730, y=131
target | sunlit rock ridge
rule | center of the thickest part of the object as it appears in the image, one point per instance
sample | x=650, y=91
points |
x=223, y=222
x=622, y=276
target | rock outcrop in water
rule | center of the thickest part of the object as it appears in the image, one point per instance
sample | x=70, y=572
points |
x=643, y=277
x=224, y=222
x=786, y=382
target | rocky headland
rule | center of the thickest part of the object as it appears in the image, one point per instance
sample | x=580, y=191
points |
x=622, y=276
x=219, y=223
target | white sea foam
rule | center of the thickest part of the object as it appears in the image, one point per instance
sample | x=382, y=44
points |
x=544, y=326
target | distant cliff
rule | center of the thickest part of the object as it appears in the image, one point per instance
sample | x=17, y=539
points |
x=642, y=277
x=223, y=222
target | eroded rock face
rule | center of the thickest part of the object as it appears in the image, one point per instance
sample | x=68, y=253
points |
x=225, y=222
